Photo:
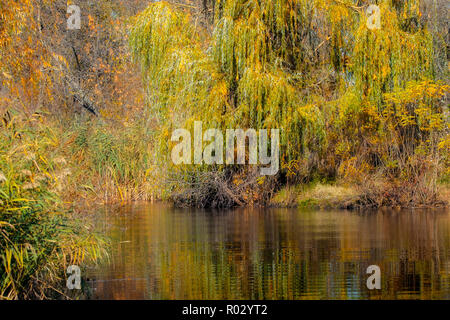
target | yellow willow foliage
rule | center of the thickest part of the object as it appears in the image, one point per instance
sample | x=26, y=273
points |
x=239, y=81
x=417, y=105
x=251, y=33
x=262, y=63
x=388, y=58
x=181, y=82
x=343, y=18
x=258, y=46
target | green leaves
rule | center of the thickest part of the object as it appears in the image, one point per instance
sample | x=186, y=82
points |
x=310, y=68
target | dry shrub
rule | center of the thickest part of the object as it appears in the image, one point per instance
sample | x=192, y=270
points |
x=223, y=188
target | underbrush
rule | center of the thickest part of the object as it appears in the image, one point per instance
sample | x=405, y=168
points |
x=376, y=194
x=220, y=188
x=38, y=238
x=108, y=162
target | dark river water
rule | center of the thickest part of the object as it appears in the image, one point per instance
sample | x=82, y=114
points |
x=158, y=252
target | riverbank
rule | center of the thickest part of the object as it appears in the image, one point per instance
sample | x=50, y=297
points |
x=40, y=234
x=50, y=171
x=332, y=196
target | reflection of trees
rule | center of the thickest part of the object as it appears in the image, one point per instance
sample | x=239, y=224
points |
x=279, y=254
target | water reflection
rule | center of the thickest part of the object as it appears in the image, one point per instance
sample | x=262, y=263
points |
x=165, y=253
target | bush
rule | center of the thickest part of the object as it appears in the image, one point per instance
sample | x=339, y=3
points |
x=38, y=240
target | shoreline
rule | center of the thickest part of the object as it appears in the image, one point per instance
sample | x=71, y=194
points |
x=311, y=197
x=345, y=197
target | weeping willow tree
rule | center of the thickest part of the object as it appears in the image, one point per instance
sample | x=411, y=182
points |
x=181, y=81
x=247, y=74
x=311, y=68
x=391, y=115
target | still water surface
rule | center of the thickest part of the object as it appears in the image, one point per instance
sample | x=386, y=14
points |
x=159, y=252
